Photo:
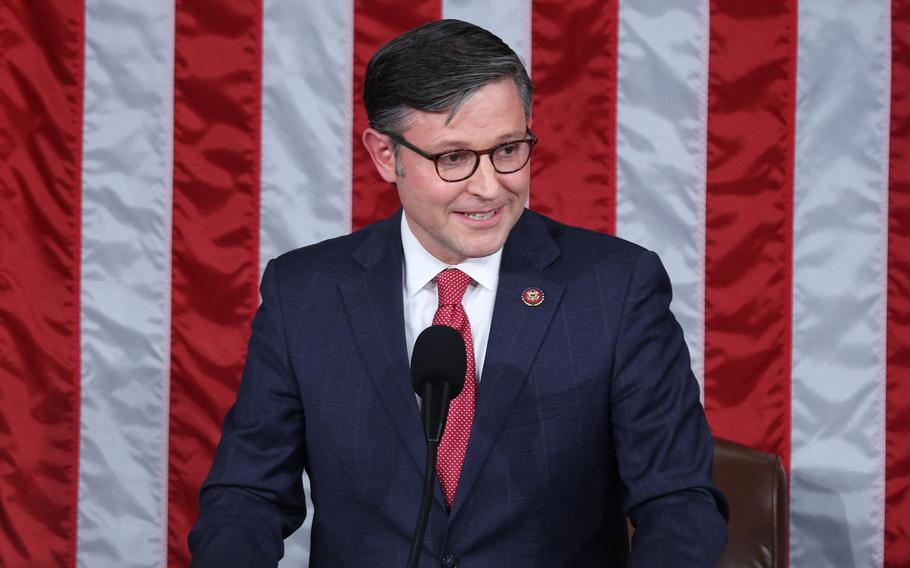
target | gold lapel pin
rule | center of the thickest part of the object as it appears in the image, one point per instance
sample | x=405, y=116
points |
x=532, y=297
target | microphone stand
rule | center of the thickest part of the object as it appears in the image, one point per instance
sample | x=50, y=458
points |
x=434, y=424
x=426, y=499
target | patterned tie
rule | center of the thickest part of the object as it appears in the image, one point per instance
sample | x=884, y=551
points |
x=451, y=285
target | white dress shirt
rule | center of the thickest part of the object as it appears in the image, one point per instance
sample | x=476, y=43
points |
x=419, y=271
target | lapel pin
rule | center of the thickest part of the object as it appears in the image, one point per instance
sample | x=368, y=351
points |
x=532, y=297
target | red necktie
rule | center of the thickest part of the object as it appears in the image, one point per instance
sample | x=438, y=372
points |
x=451, y=285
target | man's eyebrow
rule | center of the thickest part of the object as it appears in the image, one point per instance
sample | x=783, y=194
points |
x=445, y=145
x=514, y=135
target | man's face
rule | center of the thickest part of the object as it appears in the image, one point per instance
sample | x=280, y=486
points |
x=473, y=217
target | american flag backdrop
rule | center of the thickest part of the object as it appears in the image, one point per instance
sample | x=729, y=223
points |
x=156, y=154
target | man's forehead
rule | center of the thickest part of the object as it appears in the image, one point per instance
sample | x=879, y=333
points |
x=493, y=113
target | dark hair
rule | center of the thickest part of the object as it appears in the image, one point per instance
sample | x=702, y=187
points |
x=435, y=68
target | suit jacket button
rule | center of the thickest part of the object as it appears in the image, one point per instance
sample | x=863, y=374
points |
x=449, y=561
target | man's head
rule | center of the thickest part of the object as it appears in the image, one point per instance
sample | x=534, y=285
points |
x=444, y=86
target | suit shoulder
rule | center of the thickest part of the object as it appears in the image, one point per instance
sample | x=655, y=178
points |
x=580, y=245
x=334, y=256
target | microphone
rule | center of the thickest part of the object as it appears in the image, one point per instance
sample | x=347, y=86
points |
x=438, y=365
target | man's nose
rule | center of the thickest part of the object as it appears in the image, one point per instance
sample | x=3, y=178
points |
x=484, y=183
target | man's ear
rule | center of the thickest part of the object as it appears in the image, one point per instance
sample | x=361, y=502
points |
x=381, y=151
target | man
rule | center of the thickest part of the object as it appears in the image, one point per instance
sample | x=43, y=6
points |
x=579, y=406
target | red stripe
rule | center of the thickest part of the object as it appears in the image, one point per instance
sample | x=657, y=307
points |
x=40, y=211
x=574, y=49
x=215, y=272
x=751, y=110
x=897, y=386
x=375, y=23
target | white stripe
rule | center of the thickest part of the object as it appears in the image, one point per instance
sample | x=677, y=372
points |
x=839, y=284
x=661, y=123
x=509, y=19
x=307, y=121
x=125, y=295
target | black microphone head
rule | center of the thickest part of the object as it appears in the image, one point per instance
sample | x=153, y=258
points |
x=439, y=355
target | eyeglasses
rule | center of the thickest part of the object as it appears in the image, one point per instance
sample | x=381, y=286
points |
x=458, y=165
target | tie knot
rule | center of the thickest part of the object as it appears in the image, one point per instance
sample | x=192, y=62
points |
x=451, y=284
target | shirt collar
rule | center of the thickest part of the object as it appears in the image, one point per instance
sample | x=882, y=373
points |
x=421, y=267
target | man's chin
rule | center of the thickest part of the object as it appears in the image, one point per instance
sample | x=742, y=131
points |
x=481, y=251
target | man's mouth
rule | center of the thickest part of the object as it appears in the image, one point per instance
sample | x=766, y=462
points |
x=484, y=216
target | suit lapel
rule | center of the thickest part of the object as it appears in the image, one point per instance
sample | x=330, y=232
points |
x=373, y=300
x=516, y=333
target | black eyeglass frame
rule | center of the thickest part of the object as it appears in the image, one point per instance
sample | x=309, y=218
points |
x=531, y=140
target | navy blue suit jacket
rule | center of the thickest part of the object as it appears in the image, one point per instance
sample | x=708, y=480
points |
x=587, y=411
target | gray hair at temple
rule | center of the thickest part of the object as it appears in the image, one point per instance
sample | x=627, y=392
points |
x=436, y=68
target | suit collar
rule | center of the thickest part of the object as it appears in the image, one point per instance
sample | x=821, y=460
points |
x=531, y=239
x=381, y=240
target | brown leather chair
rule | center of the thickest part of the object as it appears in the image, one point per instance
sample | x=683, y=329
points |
x=755, y=485
x=756, y=488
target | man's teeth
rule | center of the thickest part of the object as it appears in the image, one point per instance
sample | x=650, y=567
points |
x=480, y=216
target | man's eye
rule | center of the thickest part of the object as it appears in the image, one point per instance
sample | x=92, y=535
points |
x=454, y=159
x=508, y=149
